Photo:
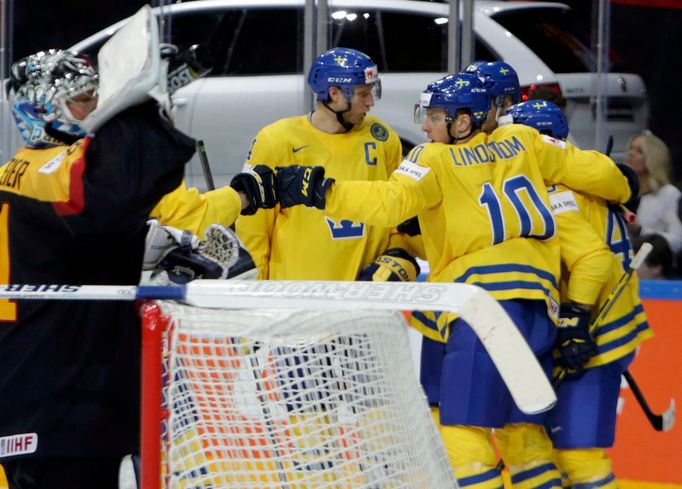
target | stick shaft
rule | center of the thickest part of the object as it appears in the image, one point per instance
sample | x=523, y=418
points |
x=205, y=166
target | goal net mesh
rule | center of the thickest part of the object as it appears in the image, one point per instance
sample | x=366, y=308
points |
x=294, y=399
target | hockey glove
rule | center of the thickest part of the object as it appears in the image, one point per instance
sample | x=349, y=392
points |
x=410, y=227
x=574, y=341
x=304, y=185
x=395, y=265
x=258, y=185
x=633, y=182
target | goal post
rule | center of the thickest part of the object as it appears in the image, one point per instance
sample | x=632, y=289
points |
x=284, y=398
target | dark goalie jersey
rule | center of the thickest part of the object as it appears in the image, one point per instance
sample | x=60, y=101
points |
x=69, y=370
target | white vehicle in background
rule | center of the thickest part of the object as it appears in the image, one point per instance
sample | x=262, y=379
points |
x=257, y=51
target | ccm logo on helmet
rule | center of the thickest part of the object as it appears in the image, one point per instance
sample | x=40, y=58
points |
x=338, y=79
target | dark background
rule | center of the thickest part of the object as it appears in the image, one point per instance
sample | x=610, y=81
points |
x=647, y=38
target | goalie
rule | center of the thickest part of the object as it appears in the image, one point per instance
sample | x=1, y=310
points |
x=71, y=368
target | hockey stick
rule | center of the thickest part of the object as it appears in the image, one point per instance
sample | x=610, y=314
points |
x=660, y=422
x=641, y=255
x=518, y=367
x=203, y=158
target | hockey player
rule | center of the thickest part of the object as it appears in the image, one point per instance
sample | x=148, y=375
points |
x=485, y=218
x=75, y=213
x=584, y=420
x=350, y=144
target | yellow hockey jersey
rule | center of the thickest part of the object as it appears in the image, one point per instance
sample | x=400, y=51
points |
x=302, y=243
x=625, y=326
x=478, y=201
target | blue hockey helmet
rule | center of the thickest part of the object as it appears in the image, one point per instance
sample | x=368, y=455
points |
x=454, y=92
x=40, y=86
x=499, y=78
x=344, y=68
x=543, y=115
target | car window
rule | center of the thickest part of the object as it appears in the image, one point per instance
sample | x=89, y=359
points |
x=551, y=34
x=382, y=35
x=263, y=41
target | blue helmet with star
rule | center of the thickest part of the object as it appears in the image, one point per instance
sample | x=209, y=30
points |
x=543, y=115
x=344, y=68
x=498, y=77
x=463, y=91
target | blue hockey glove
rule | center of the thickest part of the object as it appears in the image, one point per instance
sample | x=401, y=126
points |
x=574, y=341
x=258, y=185
x=302, y=185
x=395, y=265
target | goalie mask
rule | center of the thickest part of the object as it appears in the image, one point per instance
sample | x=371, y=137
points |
x=544, y=116
x=39, y=88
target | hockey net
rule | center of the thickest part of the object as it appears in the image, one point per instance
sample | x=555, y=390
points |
x=285, y=399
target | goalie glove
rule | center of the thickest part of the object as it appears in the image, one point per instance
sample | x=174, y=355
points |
x=219, y=256
x=304, y=185
x=574, y=341
x=257, y=183
x=395, y=265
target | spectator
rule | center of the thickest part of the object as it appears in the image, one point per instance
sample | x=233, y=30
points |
x=659, y=264
x=649, y=157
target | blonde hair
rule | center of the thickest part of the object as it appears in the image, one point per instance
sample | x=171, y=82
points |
x=656, y=159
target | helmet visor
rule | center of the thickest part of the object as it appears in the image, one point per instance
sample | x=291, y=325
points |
x=419, y=114
x=376, y=90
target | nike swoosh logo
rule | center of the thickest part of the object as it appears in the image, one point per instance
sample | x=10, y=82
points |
x=296, y=150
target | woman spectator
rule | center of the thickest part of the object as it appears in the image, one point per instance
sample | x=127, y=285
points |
x=649, y=157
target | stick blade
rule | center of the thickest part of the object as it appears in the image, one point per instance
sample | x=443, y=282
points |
x=668, y=417
x=515, y=361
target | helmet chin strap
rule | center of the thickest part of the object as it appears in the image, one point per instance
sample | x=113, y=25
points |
x=339, y=114
x=455, y=140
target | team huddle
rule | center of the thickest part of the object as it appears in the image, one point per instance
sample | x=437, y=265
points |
x=497, y=198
